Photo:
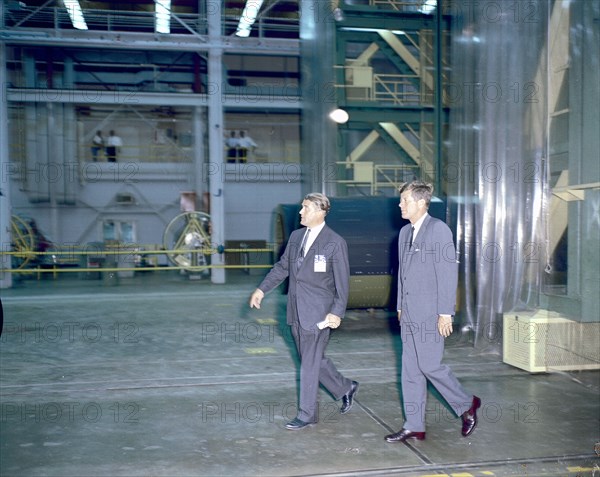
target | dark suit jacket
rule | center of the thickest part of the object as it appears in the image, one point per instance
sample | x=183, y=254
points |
x=312, y=294
x=428, y=272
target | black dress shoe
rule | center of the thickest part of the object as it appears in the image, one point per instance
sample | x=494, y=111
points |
x=348, y=399
x=296, y=424
x=469, y=418
x=404, y=434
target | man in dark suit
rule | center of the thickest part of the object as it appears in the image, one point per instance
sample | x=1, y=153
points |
x=316, y=262
x=427, y=281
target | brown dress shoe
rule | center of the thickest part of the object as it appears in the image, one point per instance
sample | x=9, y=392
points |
x=469, y=418
x=404, y=434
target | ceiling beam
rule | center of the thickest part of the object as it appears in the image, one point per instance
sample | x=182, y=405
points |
x=140, y=98
x=141, y=41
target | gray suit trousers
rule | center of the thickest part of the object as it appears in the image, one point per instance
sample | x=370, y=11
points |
x=316, y=368
x=422, y=352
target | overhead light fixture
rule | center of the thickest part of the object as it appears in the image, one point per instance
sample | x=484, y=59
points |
x=339, y=116
x=248, y=18
x=162, y=12
x=75, y=14
x=428, y=6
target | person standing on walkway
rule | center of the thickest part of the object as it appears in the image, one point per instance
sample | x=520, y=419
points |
x=246, y=143
x=113, y=146
x=97, y=145
x=316, y=262
x=232, y=143
x=427, y=281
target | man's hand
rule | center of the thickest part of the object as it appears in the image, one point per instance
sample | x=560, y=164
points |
x=330, y=321
x=399, y=315
x=256, y=298
x=445, y=325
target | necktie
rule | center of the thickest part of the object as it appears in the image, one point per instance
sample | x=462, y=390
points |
x=412, y=232
x=301, y=251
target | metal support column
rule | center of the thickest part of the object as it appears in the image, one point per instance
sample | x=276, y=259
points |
x=5, y=173
x=53, y=145
x=201, y=168
x=438, y=91
x=215, y=141
x=319, y=152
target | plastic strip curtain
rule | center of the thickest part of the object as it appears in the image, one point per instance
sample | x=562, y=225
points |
x=497, y=149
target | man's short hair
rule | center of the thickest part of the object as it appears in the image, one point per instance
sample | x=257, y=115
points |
x=419, y=190
x=320, y=200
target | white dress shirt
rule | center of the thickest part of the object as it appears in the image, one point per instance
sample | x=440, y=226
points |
x=314, y=233
x=417, y=226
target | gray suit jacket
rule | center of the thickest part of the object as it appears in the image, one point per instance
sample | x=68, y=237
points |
x=427, y=271
x=313, y=294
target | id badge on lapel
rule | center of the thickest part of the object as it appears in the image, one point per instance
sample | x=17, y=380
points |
x=320, y=264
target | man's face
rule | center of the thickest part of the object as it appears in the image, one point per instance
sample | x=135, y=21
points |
x=310, y=214
x=411, y=209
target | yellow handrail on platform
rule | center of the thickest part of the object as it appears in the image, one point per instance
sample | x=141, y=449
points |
x=53, y=268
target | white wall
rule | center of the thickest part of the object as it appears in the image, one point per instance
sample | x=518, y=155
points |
x=252, y=192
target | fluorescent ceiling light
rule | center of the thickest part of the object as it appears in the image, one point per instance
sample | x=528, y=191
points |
x=75, y=13
x=162, y=11
x=248, y=18
x=428, y=6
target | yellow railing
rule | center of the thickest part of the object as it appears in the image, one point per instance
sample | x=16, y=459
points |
x=66, y=258
x=377, y=177
x=396, y=89
x=394, y=176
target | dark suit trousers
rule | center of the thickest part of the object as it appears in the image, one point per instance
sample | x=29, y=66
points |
x=315, y=368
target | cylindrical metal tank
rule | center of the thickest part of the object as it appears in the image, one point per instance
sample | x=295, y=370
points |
x=370, y=226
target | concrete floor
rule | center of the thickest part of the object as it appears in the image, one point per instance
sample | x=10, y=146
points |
x=163, y=376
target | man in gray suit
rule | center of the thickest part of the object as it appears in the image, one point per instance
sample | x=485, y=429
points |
x=316, y=262
x=427, y=281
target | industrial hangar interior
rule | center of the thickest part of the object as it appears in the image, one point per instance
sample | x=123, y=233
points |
x=154, y=155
